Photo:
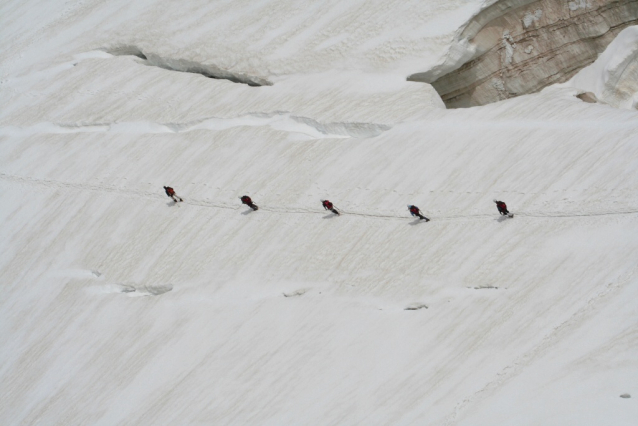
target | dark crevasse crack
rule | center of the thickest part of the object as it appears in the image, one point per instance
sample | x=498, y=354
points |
x=185, y=65
x=127, y=51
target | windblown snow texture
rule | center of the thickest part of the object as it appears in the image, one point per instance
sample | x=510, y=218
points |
x=613, y=78
x=120, y=307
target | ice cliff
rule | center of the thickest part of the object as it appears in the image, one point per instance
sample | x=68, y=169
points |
x=514, y=47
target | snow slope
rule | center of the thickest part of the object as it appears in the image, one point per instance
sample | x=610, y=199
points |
x=119, y=307
x=613, y=78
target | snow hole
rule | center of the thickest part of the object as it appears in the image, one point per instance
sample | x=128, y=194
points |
x=134, y=290
x=415, y=307
x=486, y=287
x=296, y=293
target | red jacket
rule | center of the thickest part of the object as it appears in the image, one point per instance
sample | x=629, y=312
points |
x=327, y=205
x=246, y=200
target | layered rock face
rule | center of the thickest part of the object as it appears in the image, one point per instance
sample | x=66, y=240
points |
x=515, y=47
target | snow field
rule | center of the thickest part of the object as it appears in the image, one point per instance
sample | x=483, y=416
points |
x=346, y=349
x=119, y=307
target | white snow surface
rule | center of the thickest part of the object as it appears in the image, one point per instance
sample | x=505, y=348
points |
x=613, y=77
x=119, y=307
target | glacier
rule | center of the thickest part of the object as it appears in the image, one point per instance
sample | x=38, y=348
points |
x=119, y=307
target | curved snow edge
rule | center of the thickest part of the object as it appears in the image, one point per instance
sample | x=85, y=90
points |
x=613, y=77
x=186, y=65
x=280, y=120
x=461, y=50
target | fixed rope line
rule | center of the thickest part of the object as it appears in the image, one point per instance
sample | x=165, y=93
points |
x=52, y=184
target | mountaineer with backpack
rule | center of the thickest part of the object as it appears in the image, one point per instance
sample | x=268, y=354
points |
x=502, y=208
x=414, y=211
x=171, y=193
x=245, y=199
x=327, y=205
